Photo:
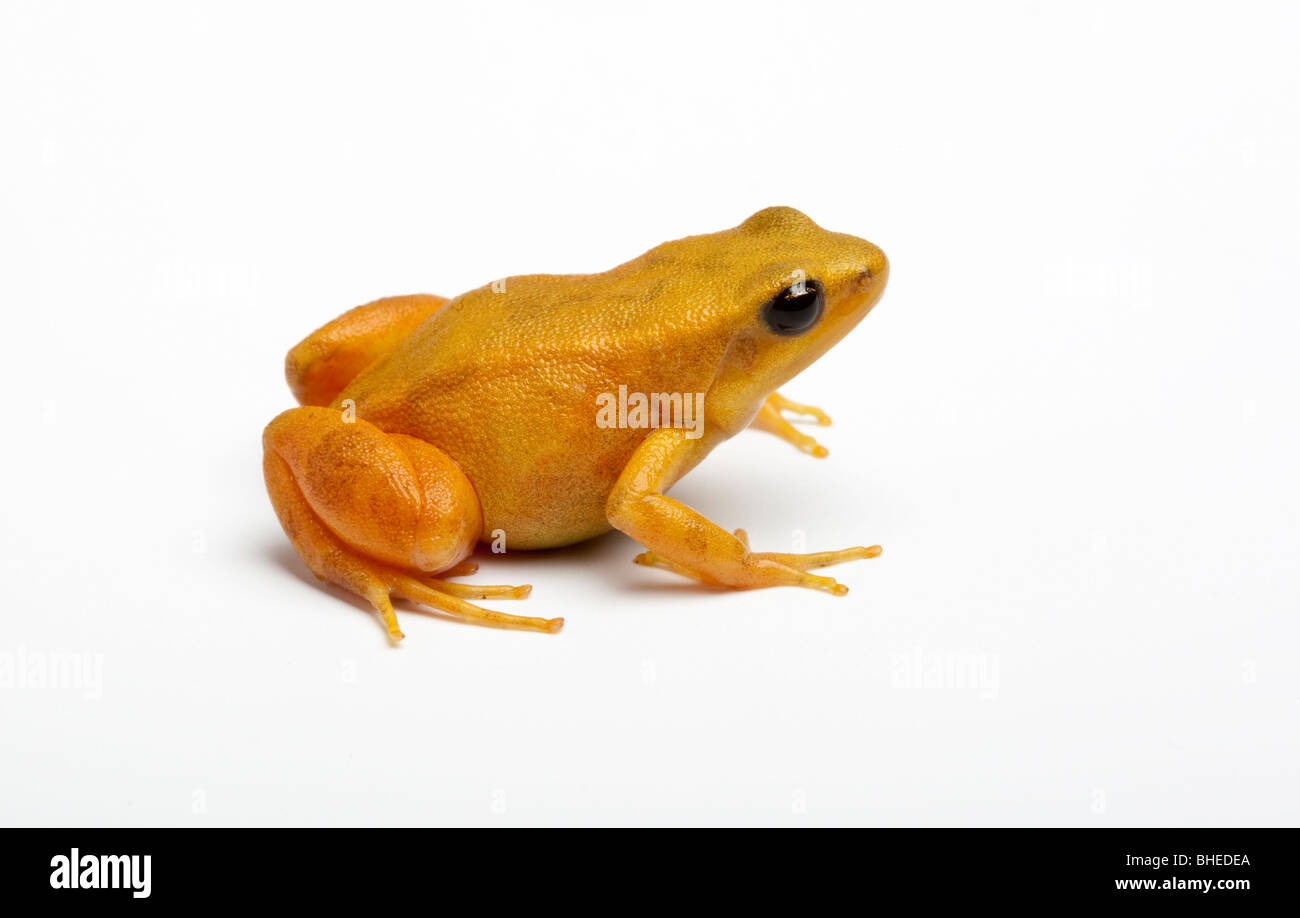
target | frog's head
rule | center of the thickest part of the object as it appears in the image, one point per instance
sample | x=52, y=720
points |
x=797, y=290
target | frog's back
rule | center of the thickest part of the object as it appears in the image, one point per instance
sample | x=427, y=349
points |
x=505, y=379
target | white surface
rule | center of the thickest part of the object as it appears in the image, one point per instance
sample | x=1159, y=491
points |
x=1071, y=423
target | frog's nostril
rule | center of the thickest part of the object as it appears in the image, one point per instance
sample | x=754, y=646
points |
x=877, y=266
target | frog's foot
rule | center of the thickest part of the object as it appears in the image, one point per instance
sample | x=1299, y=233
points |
x=799, y=562
x=771, y=418
x=436, y=595
x=379, y=514
x=321, y=365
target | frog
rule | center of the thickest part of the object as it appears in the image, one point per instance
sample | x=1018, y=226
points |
x=427, y=427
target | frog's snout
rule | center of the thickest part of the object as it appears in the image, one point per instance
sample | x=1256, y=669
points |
x=876, y=265
x=869, y=284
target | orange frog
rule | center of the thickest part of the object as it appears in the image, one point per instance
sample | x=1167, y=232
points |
x=545, y=409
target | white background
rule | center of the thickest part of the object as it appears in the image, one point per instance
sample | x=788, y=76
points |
x=1071, y=422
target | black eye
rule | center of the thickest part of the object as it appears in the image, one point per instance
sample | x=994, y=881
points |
x=795, y=309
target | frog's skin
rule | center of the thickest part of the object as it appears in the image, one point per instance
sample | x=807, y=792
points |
x=428, y=424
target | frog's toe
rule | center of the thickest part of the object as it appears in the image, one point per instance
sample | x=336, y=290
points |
x=814, y=560
x=654, y=559
x=775, y=573
x=807, y=444
x=810, y=412
x=480, y=591
x=783, y=405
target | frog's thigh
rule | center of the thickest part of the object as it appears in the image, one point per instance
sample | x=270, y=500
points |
x=375, y=512
x=683, y=540
x=771, y=418
x=320, y=366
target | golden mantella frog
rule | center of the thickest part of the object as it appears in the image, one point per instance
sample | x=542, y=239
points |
x=546, y=409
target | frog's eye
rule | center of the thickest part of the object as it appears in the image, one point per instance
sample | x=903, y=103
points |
x=795, y=309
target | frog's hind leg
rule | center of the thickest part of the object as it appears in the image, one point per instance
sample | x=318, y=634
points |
x=320, y=366
x=379, y=513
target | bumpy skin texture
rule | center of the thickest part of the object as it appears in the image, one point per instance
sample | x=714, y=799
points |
x=448, y=421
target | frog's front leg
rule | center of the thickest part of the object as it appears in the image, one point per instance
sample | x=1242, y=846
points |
x=771, y=418
x=378, y=513
x=683, y=540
